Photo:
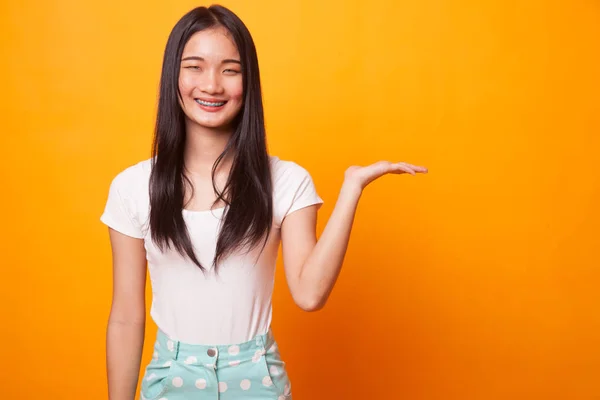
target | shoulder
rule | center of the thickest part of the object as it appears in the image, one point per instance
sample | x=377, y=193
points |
x=286, y=170
x=293, y=187
x=133, y=178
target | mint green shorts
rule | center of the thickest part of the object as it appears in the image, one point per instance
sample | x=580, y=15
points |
x=180, y=371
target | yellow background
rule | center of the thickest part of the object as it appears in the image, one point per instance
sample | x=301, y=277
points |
x=479, y=280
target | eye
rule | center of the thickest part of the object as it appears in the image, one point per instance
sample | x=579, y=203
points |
x=232, y=71
x=194, y=67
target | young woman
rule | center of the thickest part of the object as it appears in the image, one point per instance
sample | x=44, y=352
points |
x=206, y=214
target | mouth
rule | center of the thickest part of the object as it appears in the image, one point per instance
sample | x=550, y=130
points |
x=206, y=103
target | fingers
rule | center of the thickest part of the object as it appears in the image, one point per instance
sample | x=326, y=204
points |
x=408, y=168
x=400, y=168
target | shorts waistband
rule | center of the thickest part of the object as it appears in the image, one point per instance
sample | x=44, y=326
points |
x=174, y=349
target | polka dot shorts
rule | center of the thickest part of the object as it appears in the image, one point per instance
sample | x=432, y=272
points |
x=252, y=370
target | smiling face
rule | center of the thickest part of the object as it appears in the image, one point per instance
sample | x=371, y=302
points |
x=210, y=79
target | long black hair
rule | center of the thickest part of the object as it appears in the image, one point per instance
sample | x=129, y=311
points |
x=248, y=214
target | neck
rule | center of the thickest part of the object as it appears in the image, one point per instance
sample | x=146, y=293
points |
x=202, y=148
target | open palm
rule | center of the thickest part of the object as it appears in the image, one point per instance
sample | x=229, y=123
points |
x=362, y=176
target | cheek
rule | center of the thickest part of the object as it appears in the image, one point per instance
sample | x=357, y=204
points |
x=236, y=92
x=186, y=83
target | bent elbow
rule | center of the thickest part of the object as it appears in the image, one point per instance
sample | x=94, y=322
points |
x=310, y=305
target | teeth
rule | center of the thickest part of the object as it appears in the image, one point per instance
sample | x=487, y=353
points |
x=210, y=104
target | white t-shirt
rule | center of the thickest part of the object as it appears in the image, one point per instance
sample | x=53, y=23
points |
x=232, y=306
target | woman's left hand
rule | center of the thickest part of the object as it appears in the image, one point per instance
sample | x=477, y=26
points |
x=360, y=177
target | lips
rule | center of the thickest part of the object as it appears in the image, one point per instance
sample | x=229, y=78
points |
x=210, y=105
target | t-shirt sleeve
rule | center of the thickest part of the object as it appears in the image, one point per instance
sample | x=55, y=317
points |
x=300, y=191
x=120, y=210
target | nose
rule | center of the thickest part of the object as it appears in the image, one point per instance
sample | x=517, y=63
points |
x=211, y=83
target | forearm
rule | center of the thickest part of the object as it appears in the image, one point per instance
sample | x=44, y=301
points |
x=322, y=267
x=124, y=343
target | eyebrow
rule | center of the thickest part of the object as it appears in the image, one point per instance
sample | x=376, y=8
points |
x=226, y=61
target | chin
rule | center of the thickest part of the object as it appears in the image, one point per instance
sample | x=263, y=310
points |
x=220, y=124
